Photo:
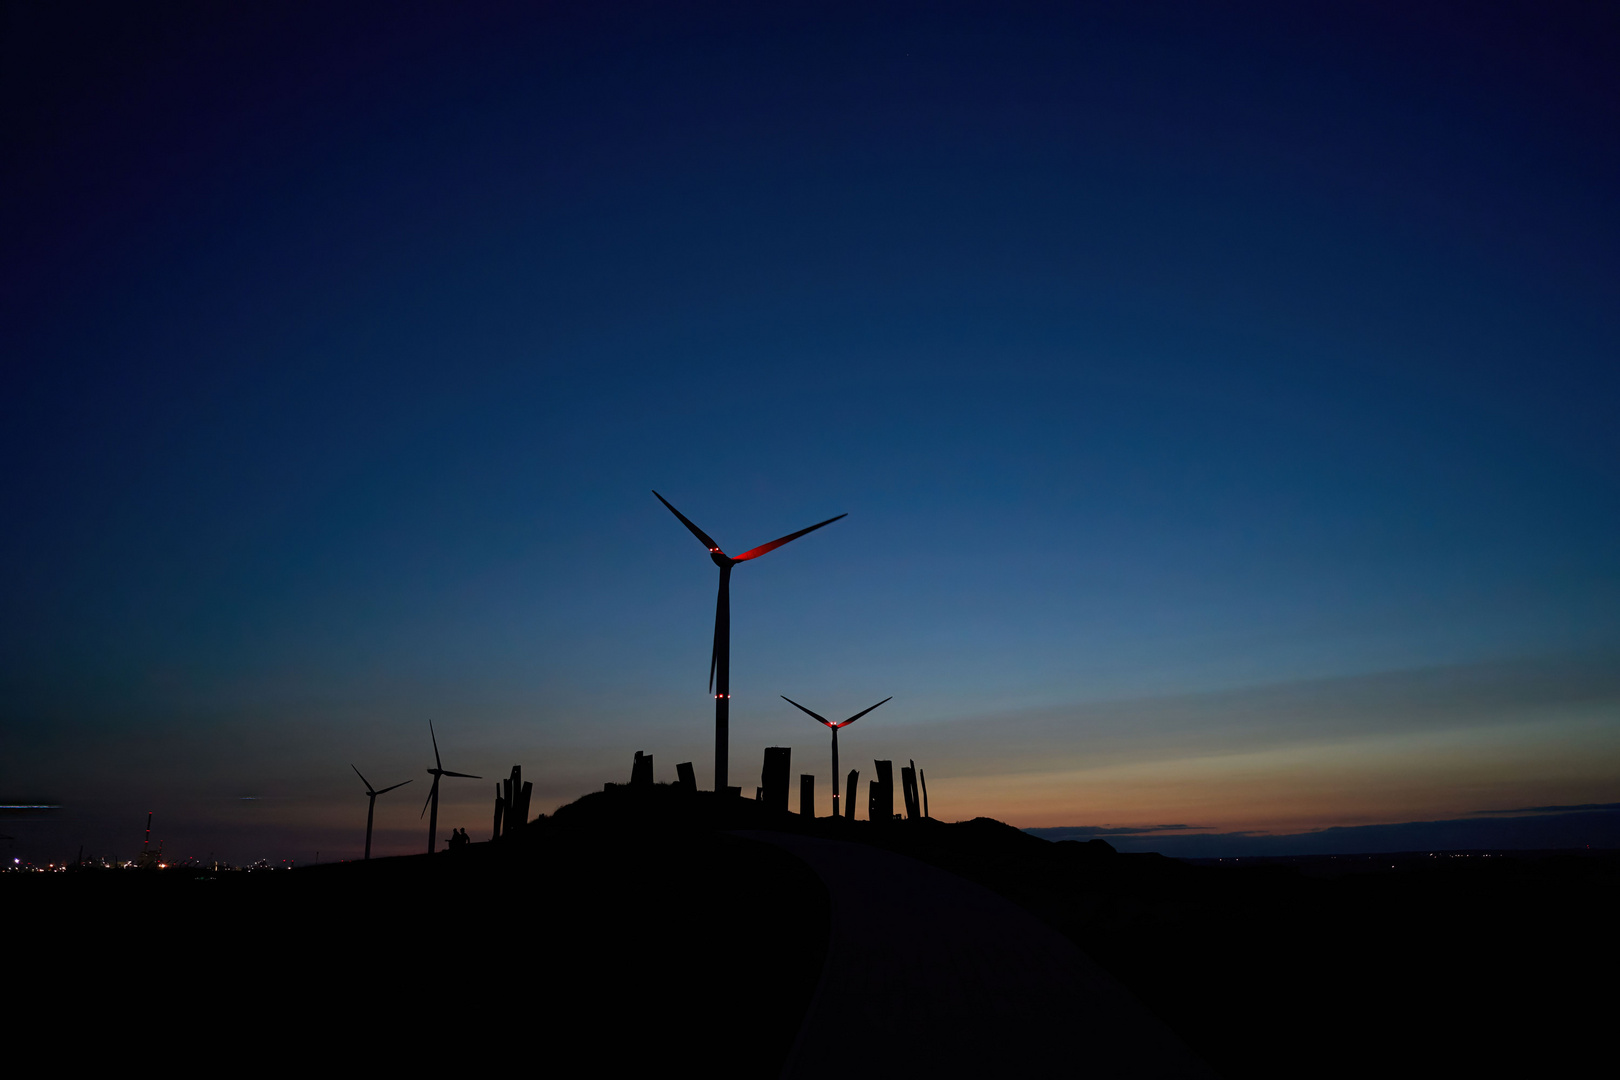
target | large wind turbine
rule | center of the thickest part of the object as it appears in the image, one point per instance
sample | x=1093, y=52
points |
x=720, y=657
x=433, y=796
x=371, y=807
x=835, y=727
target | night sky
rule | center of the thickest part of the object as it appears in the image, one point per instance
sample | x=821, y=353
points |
x=1222, y=397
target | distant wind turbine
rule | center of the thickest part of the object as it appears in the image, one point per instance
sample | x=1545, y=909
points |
x=433, y=796
x=835, y=727
x=720, y=657
x=371, y=806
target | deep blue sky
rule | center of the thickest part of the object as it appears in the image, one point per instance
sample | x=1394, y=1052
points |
x=1163, y=356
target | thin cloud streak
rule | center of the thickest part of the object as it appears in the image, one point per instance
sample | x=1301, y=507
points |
x=1554, y=809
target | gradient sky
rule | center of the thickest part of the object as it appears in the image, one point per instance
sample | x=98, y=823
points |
x=1222, y=397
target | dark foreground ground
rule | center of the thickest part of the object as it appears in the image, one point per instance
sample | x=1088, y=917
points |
x=593, y=952
x=634, y=932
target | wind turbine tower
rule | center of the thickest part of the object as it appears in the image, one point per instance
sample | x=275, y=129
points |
x=371, y=806
x=433, y=796
x=720, y=656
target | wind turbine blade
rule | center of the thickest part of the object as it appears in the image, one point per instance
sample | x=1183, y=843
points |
x=802, y=709
x=467, y=775
x=402, y=783
x=435, y=739
x=432, y=791
x=863, y=712
x=774, y=544
x=705, y=538
x=363, y=779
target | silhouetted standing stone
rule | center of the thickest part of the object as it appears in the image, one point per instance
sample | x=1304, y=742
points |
x=850, y=788
x=908, y=791
x=774, y=777
x=807, y=795
x=884, y=791
x=685, y=775
x=923, y=777
x=641, y=773
x=514, y=801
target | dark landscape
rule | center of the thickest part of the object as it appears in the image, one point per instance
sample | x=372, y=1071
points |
x=630, y=919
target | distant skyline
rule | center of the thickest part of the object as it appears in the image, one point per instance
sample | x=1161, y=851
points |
x=1222, y=401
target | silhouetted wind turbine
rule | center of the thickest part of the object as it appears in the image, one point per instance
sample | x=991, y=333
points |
x=835, y=727
x=371, y=807
x=720, y=657
x=433, y=796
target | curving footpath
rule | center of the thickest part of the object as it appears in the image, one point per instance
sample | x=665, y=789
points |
x=934, y=975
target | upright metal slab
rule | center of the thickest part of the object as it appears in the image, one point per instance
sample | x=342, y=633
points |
x=514, y=802
x=500, y=812
x=686, y=776
x=774, y=776
x=850, y=788
x=523, y=803
x=908, y=790
x=807, y=795
x=885, y=771
x=641, y=772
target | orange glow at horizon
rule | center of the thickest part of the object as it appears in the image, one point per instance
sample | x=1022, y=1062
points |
x=1380, y=780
